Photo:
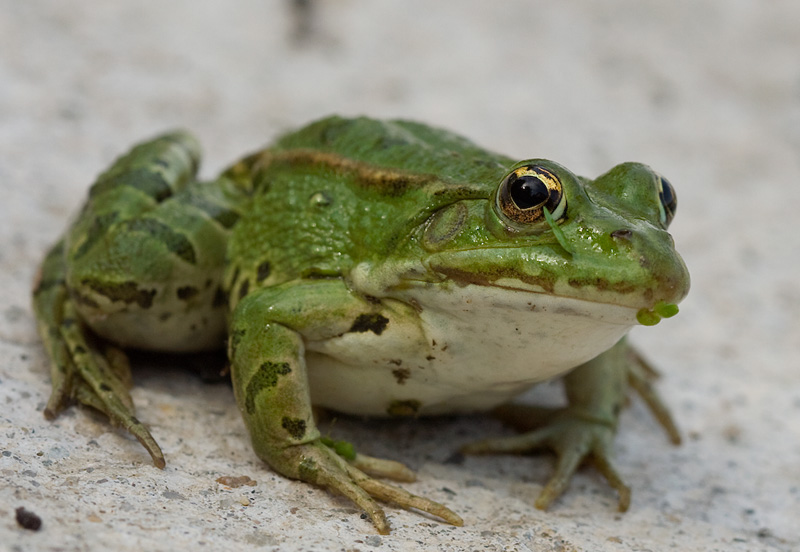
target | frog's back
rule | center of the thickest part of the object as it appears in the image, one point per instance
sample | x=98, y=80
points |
x=406, y=146
x=341, y=191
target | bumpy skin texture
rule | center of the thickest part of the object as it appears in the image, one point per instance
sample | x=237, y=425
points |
x=374, y=267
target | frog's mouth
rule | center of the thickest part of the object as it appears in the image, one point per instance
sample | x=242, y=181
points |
x=651, y=289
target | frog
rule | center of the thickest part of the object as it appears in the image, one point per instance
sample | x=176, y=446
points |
x=385, y=268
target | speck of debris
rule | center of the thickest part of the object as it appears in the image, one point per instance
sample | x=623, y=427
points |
x=28, y=520
x=235, y=482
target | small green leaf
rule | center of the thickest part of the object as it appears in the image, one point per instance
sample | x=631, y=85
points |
x=344, y=449
x=557, y=232
x=646, y=317
x=666, y=310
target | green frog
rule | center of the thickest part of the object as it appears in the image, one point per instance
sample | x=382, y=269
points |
x=381, y=268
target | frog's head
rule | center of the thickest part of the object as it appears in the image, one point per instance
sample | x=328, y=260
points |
x=548, y=231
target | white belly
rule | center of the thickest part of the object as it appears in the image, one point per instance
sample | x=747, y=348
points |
x=470, y=348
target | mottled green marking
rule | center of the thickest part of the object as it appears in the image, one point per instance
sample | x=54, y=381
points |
x=174, y=241
x=266, y=377
x=147, y=181
x=97, y=230
x=224, y=216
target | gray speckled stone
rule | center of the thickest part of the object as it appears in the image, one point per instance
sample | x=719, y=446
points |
x=708, y=92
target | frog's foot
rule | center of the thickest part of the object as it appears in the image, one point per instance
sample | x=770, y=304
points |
x=320, y=465
x=574, y=437
x=85, y=369
x=640, y=377
x=379, y=467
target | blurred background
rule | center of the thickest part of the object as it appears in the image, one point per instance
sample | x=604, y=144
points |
x=705, y=91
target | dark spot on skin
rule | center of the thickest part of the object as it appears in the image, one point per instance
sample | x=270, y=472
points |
x=100, y=225
x=371, y=322
x=174, y=241
x=244, y=288
x=401, y=375
x=27, y=519
x=396, y=362
x=294, y=427
x=146, y=180
x=265, y=378
x=227, y=218
x=164, y=316
x=105, y=387
x=187, y=292
x=315, y=273
x=262, y=272
x=430, y=357
x=224, y=216
x=220, y=298
x=233, y=341
x=405, y=408
x=127, y=292
x=235, y=277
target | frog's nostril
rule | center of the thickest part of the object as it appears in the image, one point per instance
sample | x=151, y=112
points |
x=622, y=234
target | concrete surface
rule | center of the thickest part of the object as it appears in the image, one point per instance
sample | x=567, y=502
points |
x=706, y=91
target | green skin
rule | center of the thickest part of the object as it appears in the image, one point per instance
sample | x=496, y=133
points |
x=345, y=245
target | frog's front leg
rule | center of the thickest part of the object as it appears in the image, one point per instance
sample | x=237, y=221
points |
x=267, y=354
x=585, y=429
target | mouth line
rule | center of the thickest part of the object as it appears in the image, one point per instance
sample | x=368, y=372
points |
x=531, y=289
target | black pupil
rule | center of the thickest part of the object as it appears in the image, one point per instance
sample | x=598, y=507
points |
x=528, y=191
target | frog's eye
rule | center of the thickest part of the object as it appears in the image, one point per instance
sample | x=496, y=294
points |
x=669, y=201
x=524, y=194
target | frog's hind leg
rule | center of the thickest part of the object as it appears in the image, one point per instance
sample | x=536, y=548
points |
x=140, y=267
x=79, y=370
